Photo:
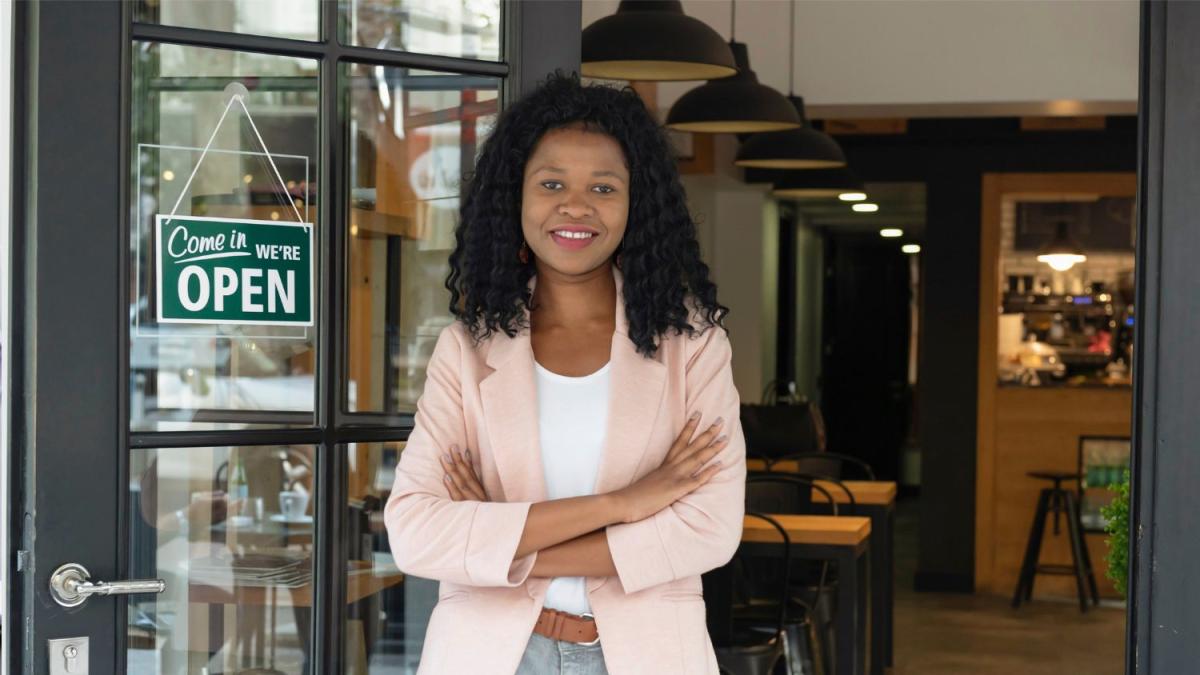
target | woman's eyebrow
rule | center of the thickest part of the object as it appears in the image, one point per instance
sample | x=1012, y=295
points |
x=550, y=168
x=613, y=174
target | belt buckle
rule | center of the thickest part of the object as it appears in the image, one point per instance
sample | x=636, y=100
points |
x=589, y=615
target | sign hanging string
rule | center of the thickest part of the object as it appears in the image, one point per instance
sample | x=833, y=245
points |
x=236, y=98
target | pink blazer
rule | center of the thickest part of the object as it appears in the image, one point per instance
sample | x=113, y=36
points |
x=651, y=616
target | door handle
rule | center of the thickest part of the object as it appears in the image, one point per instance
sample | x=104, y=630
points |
x=71, y=585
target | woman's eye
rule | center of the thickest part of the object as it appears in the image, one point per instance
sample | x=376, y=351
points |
x=604, y=189
x=551, y=184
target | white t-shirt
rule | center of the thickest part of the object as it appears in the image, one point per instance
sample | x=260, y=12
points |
x=572, y=417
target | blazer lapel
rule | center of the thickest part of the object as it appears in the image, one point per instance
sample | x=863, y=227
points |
x=636, y=386
x=509, y=399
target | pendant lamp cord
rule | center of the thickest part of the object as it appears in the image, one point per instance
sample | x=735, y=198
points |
x=792, y=48
x=732, y=20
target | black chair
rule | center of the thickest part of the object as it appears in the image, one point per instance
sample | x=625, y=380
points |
x=746, y=647
x=813, y=586
x=825, y=465
x=1058, y=500
x=809, y=620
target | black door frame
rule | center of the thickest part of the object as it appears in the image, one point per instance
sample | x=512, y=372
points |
x=1164, y=597
x=68, y=412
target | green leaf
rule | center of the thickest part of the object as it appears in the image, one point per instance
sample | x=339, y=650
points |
x=1117, y=515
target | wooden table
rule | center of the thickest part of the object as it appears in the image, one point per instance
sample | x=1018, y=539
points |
x=875, y=499
x=843, y=540
x=361, y=582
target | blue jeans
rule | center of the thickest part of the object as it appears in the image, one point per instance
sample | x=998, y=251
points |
x=544, y=656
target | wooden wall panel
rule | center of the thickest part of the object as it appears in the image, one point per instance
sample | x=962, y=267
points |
x=1038, y=430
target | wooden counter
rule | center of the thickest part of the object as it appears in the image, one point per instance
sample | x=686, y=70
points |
x=1020, y=429
x=1038, y=429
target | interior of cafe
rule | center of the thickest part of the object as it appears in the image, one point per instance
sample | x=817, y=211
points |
x=920, y=214
x=932, y=283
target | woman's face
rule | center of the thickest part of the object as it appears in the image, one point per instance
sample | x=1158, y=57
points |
x=574, y=200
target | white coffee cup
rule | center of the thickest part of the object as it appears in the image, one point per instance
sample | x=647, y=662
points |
x=293, y=504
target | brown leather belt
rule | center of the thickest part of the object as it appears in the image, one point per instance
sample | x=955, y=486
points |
x=558, y=625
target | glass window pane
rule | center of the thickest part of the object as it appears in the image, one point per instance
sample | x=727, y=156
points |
x=412, y=136
x=388, y=612
x=231, y=532
x=465, y=28
x=222, y=333
x=296, y=19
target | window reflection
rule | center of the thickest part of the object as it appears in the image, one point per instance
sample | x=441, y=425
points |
x=231, y=531
x=413, y=135
x=466, y=28
x=296, y=19
x=388, y=611
x=218, y=376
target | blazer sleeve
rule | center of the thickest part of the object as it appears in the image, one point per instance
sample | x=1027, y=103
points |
x=702, y=530
x=431, y=536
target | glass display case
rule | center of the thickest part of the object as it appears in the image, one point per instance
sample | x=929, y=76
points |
x=1103, y=461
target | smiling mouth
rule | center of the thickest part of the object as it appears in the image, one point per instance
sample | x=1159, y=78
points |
x=573, y=239
x=573, y=234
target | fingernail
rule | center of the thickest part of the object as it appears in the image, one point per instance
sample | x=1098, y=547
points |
x=446, y=477
x=718, y=422
x=468, y=454
x=695, y=415
x=449, y=458
x=722, y=439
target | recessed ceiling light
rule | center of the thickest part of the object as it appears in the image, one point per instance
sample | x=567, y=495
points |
x=865, y=207
x=911, y=248
x=891, y=232
x=852, y=196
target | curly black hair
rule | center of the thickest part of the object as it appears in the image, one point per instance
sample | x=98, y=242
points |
x=664, y=278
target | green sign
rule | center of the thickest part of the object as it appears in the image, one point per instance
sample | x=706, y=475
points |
x=223, y=270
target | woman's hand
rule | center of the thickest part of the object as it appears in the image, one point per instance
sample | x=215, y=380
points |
x=681, y=472
x=460, y=477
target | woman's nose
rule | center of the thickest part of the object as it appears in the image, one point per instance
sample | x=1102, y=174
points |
x=575, y=205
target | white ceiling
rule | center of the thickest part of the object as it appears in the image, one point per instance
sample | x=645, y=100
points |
x=863, y=58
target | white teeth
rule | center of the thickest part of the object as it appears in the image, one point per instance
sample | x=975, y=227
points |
x=575, y=235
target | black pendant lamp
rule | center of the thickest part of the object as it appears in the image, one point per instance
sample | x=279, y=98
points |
x=654, y=40
x=1061, y=252
x=816, y=183
x=738, y=104
x=800, y=148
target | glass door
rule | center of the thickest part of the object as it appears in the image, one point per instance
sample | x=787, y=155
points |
x=265, y=195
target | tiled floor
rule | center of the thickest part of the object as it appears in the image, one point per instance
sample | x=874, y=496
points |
x=953, y=634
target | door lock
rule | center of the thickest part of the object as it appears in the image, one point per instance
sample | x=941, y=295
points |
x=68, y=656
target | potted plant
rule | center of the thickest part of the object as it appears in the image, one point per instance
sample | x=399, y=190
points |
x=1116, y=513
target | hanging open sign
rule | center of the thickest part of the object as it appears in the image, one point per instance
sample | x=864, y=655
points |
x=234, y=271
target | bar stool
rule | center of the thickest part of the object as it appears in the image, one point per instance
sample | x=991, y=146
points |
x=1059, y=500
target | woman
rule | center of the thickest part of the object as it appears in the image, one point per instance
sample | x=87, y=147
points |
x=576, y=461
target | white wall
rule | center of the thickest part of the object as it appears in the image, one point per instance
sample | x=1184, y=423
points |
x=935, y=57
x=736, y=225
